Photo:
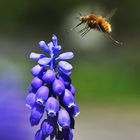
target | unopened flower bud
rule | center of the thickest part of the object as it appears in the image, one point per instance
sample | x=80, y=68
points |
x=65, y=56
x=65, y=67
x=63, y=118
x=42, y=94
x=36, y=70
x=44, y=61
x=72, y=89
x=30, y=100
x=49, y=76
x=39, y=135
x=44, y=46
x=67, y=134
x=36, y=82
x=36, y=114
x=65, y=79
x=74, y=111
x=67, y=99
x=52, y=106
x=47, y=127
x=58, y=87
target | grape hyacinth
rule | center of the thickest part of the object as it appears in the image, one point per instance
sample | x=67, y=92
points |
x=51, y=93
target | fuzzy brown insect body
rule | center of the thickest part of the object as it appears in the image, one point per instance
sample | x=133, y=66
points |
x=96, y=22
x=99, y=23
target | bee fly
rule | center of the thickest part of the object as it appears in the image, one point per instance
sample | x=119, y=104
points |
x=93, y=21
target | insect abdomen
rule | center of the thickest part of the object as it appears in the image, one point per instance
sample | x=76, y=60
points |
x=107, y=27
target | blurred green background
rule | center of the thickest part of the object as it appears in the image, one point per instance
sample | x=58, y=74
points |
x=106, y=75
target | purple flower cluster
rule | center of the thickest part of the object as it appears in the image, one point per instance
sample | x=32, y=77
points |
x=51, y=91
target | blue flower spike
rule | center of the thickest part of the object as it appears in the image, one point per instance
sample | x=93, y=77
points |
x=52, y=90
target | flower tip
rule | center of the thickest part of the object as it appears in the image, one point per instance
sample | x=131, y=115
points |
x=71, y=105
x=28, y=106
x=51, y=113
x=54, y=40
x=39, y=101
x=54, y=36
x=41, y=42
x=66, y=126
x=77, y=114
x=33, y=55
x=36, y=56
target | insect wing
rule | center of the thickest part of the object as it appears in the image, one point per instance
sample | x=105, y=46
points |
x=111, y=14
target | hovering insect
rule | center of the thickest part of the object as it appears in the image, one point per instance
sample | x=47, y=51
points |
x=92, y=21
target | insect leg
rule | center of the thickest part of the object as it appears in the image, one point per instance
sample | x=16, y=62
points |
x=117, y=42
x=100, y=28
x=84, y=33
x=85, y=28
x=102, y=31
x=76, y=26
